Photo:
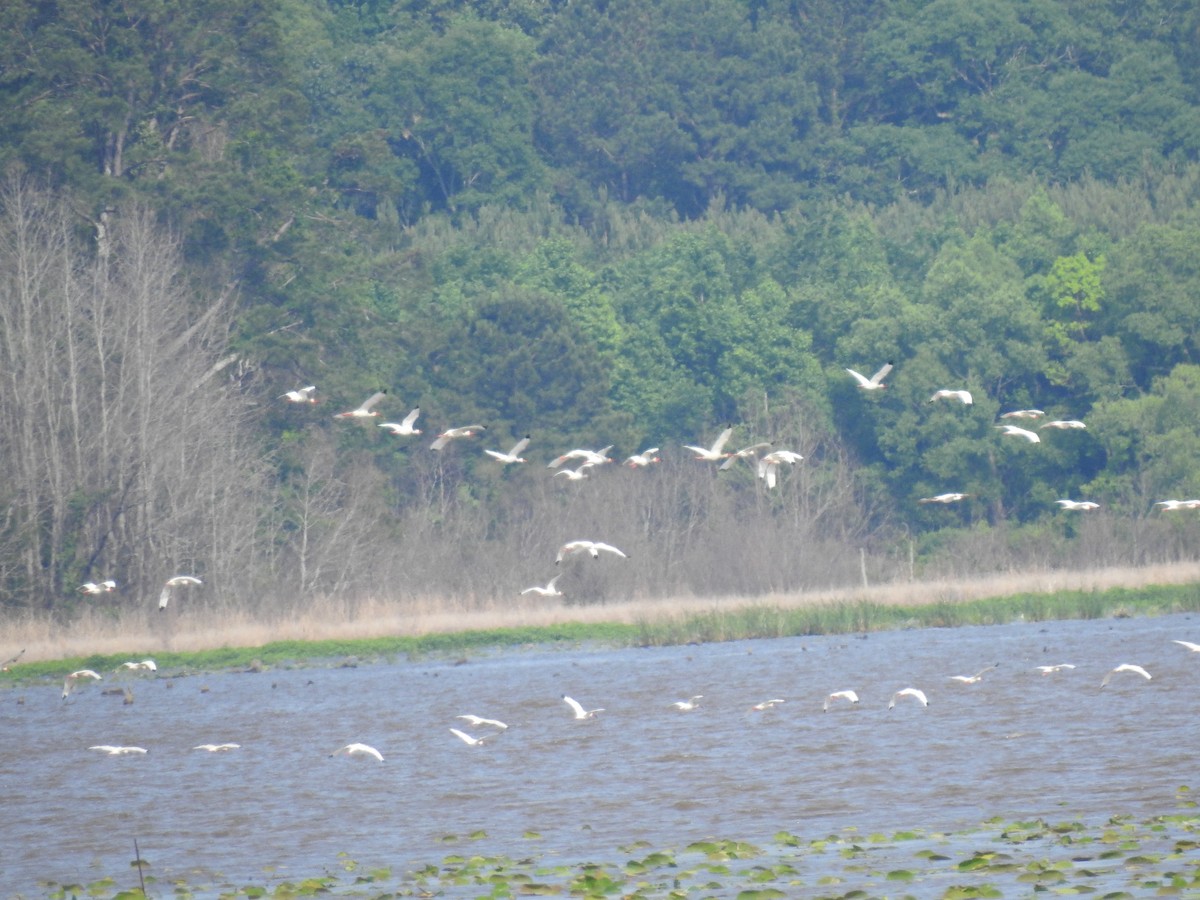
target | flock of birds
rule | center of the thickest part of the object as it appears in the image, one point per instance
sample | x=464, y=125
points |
x=580, y=712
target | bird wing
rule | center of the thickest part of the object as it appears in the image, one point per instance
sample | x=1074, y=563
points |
x=882, y=373
x=863, y=380
x=411, y=418
x=372, y=400
x=165, y=597
x=580, y=712
x=722, y=438
x=519, y=446
x=608, y=548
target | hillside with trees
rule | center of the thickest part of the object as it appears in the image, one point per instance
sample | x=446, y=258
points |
x=622, y=223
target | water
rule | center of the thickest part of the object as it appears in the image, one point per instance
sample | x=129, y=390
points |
x=1017, y=745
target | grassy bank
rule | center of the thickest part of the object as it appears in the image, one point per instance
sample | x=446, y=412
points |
x=659, y=626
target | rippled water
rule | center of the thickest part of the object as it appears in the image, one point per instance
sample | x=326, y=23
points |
x=1016, y=744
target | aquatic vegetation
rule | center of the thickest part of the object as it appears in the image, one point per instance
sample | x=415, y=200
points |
x=1118, y=857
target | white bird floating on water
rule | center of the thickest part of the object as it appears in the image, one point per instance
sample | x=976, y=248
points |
x=177, y=581
x=963, y=397
x=577, y=708
x=548, y=591
x=643, y=459
x=363, y=411
x=690, y=703
x=590, y=457
x=592, y=547
x=451, y=434
x=1125, y=667
x=146, y=665
x=513, y=455
x=466, y=738
x=848, y=696
x=104, y=587
x=405, y=425
x=1082, y=505
x=1016, y=431
x=1023, y=414
x=972, y=679
x=358, y=751
x=717, y=450
x=1058, y=667
x=71, y=680
x=1195, y=648
x=217, y=748
x=112, y=750
x=919, y=695
x=944, y=498
x=480, y=720
x=875, y=382
x=301, y=395
x=767, y=704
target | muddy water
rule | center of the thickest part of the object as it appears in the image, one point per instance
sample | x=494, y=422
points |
x=1017, y=744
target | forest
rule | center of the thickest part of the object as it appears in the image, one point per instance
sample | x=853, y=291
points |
x=614, y=224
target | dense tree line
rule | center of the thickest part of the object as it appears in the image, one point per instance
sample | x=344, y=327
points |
x=624, y=223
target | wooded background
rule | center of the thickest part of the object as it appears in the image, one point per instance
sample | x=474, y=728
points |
x=622, y=223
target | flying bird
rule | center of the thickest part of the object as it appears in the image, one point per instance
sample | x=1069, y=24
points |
x=1031, y=436
x=945, y=394
x=744, y=453
x=548, y=591
x=1023, y=414
x=1077, y=504
x=1063, y=424
x=513, y=455
x=768, y=466
x=645, y=458
x=301, y=395
x=1125, y=667
x=577, y=708
x=590, y=457
x=767, y=704
x=405, y=425
x=875, y=382
x=592, y=547
x=451, y=434
x=848, y=696
x=717, y=450
x=177, y=581
x=146, y=665
x=119, y=751
x=918, y=695
x=71, y=680
x=358, y=751
x=217, y=748
x=690, y=703
x=466, y=738
x=1168, y=505
x=1058, y=667
x=972, y=679
x=91, y=587
x=364, y=411
x=575, y=474
x=944, y=498
x=480, y=720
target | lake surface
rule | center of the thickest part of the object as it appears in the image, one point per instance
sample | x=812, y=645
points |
x=1016, y=744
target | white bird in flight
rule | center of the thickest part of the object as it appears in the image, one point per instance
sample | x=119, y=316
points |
x=1063, y=424
x=690, y=703
x=177, y=581
x=1058, y=667
x=549, y=590
x=577, y=708
x=1023, y=414
x=301, y=395
x=590, y=457
x=645, y=458
x=217, y=748
x=716, y=451
x=146, y=665
x=768, y=466
x=946, y=394
x=1168, y=505
x=513, y=455
x=1125, y=667
x=848, y=696
x=480, y=720
x=466, y=738
x=1016, y=431
x=767, y=704
x=405, y=425
x=112, y=750
x=917, y=694
x=91, y=587
x=744, y=453
x=358, y=751
x=71, y=680
x=363, y=411
x=575, y=474
x=972, y=679
x=1083, y=505
x=451, y=434
x=875, y=382
x=944, y=498
x=592, y=547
